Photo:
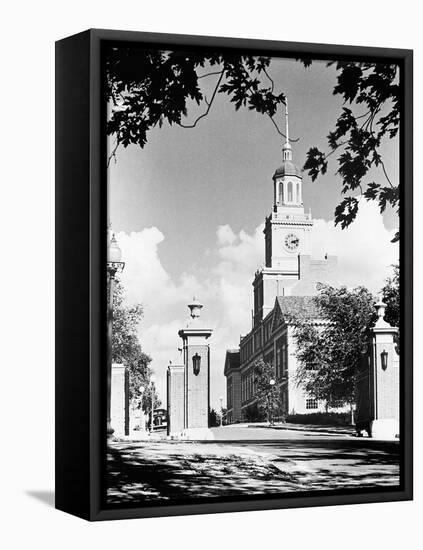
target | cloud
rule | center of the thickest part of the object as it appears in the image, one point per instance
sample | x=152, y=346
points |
x=364, y=251
x=225, y=235
x=226, y=293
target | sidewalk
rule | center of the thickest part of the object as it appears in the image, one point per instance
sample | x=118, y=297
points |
x=314, y=428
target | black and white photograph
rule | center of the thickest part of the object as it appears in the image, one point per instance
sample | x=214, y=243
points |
x=210, y=287
x=253, y=275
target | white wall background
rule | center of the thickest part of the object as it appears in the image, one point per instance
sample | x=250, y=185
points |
x=28, y=32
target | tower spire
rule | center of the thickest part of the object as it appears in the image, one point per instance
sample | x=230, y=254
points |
x=286, y=120
x=287, y=151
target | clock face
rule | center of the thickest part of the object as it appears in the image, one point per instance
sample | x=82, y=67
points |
x=292, y=242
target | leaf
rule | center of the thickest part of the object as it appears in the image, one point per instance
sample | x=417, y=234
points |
x=316, y=163
x=346, y=212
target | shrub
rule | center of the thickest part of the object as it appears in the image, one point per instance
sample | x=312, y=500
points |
x=321, y=418
x=253, y=413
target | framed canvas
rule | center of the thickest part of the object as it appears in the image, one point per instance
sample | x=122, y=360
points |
x=233, y=274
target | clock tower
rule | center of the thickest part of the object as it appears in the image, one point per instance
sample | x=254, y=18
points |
x=287, y=235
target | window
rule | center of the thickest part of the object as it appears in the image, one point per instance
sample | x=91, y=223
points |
x=312, y=403
x=280, y=192
x=290, y=191
x=229, y=393
x=284, y=358
x=257, y=340
x=278, y=363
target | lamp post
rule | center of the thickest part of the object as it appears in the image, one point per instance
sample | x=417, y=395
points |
x=152, y=382
x=114, y=264
x=221, y=411
x=142, y=427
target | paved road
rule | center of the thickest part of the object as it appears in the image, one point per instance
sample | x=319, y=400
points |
x=248, y=461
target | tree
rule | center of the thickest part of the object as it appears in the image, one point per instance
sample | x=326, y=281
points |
x=146, y=88
x=266, y=391
x=126, y=348
x=253, y=413
x=373, y=92
x=329, y=353
x=391, y=297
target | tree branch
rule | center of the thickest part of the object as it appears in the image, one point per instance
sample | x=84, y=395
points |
x=335, y=149
x=279, y=132
x=208, y=74
x=271, y=79
x=113, y=153
x=209, y=104
x=363, y=115
x=377, y=109
x=386, y=175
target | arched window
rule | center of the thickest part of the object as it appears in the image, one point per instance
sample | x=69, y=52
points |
x=280, y=192
x=290, y=191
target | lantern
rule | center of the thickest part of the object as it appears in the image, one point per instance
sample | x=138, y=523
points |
x=384, y=359
x=196, y=362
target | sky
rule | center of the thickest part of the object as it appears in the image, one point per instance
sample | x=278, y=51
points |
x=188, y=212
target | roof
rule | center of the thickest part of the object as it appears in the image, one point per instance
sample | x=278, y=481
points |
x=288, y=168
x=232, y=360
x=294, y=306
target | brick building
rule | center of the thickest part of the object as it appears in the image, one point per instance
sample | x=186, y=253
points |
x=283, y=287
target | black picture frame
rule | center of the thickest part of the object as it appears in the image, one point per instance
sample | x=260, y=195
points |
x=81, y=273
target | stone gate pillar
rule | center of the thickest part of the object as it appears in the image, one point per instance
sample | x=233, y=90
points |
x=386, y=380
x=120, y=400
x=175, y=400
x=196, y=353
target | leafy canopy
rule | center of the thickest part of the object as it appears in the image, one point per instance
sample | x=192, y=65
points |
x=330, y=354
x=126, y=347
x=146, y=88
x=373, y=88
x=391, y=297
x=268, y=396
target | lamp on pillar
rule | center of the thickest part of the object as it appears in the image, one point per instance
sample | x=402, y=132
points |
x=196, y=381
x=384, y=359
x=378, y=382
x=114, y=265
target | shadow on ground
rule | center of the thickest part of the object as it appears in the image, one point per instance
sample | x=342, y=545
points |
x=46, y=497
x=166, y=471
